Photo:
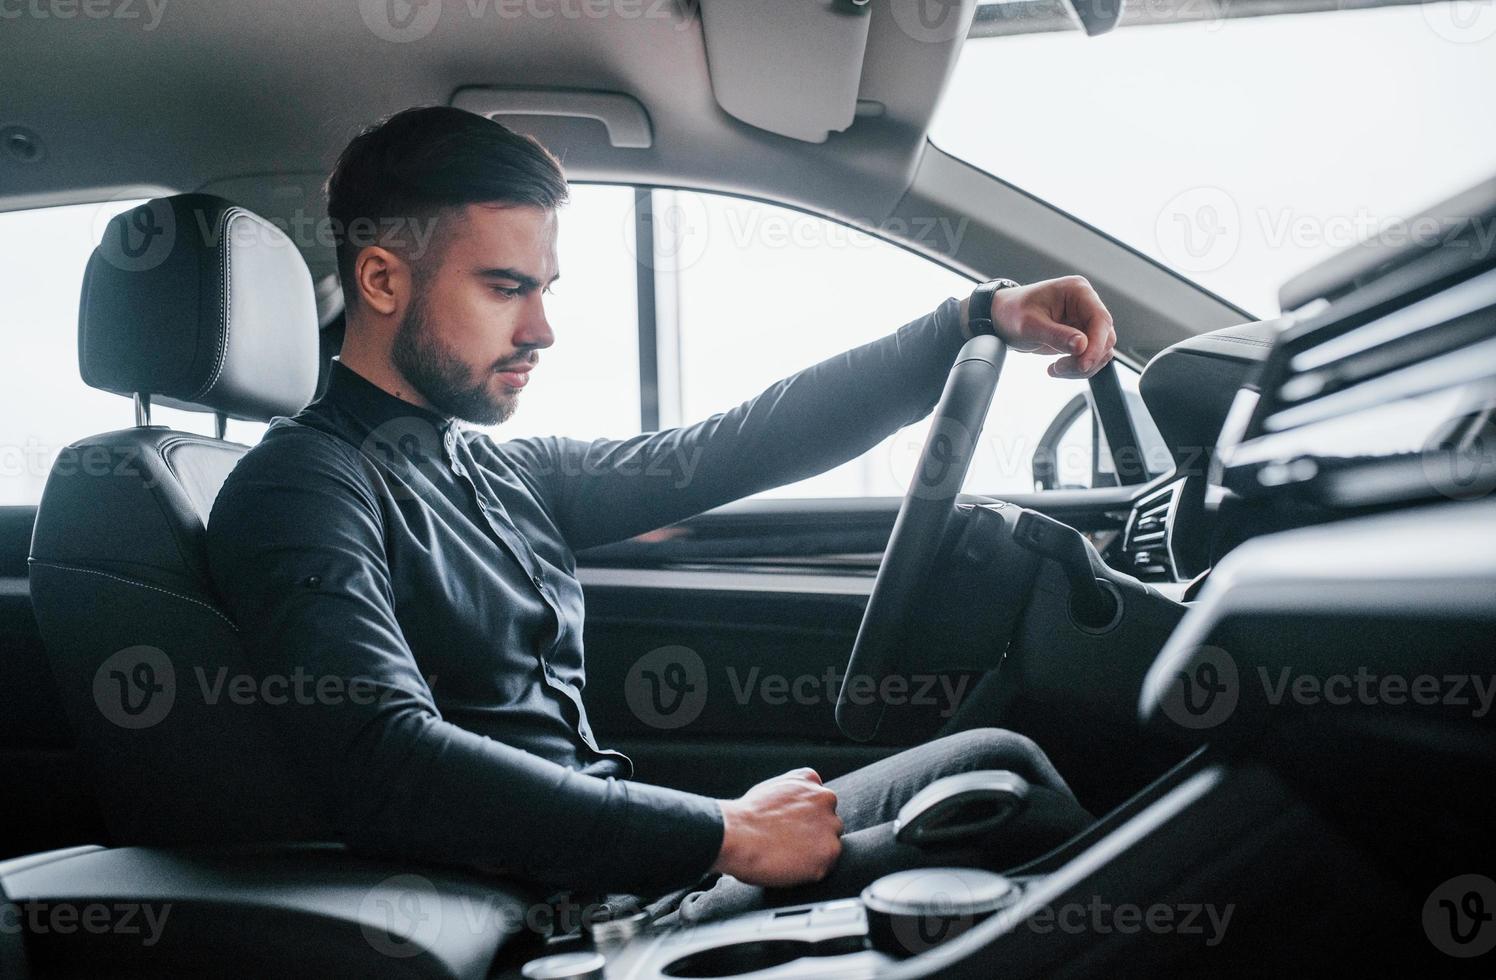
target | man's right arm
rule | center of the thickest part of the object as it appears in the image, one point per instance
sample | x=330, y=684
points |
x=296, y=552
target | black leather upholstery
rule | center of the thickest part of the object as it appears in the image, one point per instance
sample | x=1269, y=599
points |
x=202, y=304
x=49, y=802
x=12, y=949
x=223, y=321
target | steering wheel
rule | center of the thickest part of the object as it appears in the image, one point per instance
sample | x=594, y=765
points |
x=924, y=516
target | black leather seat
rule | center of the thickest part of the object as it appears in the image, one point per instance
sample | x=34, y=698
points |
x=212, y=310
x=192, y=302
x=49, y=803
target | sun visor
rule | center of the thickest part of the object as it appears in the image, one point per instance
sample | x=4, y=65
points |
x=791, y=67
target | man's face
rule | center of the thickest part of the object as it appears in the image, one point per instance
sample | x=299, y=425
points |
x=476, y=323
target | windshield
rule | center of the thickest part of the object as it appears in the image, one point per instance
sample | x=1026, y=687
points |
x=1236, y=151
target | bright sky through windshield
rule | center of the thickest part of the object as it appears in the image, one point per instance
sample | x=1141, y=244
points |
x=1237, y=152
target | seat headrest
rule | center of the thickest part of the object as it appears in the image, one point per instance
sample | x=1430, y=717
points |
x=202, y=305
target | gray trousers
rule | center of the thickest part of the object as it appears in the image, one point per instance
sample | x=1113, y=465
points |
x=869, y=799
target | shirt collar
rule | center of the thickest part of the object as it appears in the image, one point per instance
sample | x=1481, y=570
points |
x=372, y=405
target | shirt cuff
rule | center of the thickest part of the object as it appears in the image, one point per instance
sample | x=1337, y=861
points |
x=667, y=838
x=948, y=323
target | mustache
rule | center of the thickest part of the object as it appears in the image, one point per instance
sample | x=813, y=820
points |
x=528, y=360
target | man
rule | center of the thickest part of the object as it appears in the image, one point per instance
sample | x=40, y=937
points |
x=375, y=540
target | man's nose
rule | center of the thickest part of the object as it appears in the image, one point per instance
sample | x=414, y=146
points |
x=535, y=329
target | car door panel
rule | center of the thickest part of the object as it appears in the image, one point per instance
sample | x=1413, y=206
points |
x=757, y=603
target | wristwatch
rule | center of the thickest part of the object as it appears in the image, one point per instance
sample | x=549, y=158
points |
x=979, y=308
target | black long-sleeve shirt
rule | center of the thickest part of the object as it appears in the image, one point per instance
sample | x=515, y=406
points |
x=424, y=574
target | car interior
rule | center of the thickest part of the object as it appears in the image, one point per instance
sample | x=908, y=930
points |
x=1252, y=626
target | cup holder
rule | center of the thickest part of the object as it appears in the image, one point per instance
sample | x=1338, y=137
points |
x=737, y=958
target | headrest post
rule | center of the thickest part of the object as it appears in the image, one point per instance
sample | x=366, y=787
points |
x=142, y=408
x=220, y=424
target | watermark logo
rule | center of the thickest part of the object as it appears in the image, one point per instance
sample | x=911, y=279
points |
x=402, y=917
x=944, y=460
x=1199, y=230
x=1459, y=916
x=686, y=224
x=400, y=21
x=136, y=687
x=930, y=21
x=1466, y=471
x=1204, y=693
x=403, y=21
x=1203, y=920
x=410, y=452
x=1461, y=21
x=681, y=230
x=946, y=896
x=667, y=687
x=140, y=239
x=139, y=686
x=120, y=10
x=145, y=921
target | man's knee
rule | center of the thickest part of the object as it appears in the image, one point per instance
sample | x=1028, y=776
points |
x=998, y=748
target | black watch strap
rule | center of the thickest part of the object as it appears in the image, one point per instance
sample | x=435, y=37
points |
x=979, y=308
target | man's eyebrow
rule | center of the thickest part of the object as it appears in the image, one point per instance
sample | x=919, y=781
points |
x=525, y=280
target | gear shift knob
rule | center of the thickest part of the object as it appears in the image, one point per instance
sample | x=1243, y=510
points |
x=961, y=808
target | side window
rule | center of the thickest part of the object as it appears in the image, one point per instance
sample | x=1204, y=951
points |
x=756, y=292
x=744, y=293
x=590, y=388
x=1073, y=454
x=588, y=384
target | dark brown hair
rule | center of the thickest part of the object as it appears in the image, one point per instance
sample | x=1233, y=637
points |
x=412, y=165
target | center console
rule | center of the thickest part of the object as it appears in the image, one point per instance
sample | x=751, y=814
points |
x=896, y=918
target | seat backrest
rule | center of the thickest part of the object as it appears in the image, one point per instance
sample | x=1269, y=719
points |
x=193, y=302
x=48, y=801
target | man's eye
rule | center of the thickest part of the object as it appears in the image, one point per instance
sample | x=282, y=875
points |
x=509, y=292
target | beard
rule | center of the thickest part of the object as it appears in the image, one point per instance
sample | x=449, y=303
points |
x=442, y=377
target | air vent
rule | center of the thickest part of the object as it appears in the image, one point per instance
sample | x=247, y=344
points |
x=1145, y=541
x=1436, y=342
x=1379, y=390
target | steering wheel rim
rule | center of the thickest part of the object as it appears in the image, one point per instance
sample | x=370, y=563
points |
x=919, y=530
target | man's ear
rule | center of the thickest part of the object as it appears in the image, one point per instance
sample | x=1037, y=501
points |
x=382, y=279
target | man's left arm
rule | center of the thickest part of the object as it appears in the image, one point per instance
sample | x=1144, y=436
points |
x=807, y=423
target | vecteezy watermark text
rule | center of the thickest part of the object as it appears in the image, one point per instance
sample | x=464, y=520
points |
x=667, y=688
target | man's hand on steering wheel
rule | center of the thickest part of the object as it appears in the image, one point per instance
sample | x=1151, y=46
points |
x=1056, y=317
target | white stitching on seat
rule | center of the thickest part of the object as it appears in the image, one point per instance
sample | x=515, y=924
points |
x=143, y=585
x=230, y=215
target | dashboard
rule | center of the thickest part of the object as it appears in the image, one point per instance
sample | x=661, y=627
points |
x=1377, y=389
